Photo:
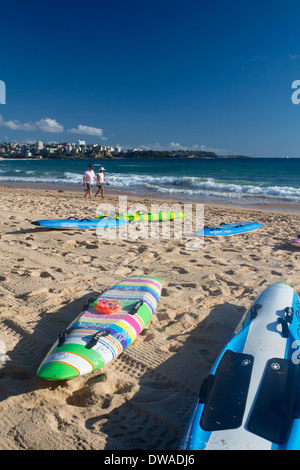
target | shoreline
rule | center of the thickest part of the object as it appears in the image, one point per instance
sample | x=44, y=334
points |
x=289, y=208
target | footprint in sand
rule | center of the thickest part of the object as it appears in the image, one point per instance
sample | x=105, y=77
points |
x=180, y=270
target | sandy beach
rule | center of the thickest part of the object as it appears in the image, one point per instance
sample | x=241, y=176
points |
x=143, y=399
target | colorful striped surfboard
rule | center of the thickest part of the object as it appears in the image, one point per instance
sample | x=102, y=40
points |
x=106, y=221
x=94, y=339
x=150, y=216
x=296, y=242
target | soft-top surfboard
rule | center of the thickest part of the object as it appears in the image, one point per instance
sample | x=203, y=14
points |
x=229, y=229
x=83, y=224
x=296, y=242
x=106, y=221
x=103, y=330
x=250, y=400
x=150, y=216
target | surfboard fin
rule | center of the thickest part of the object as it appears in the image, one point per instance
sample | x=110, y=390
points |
x=289, y=313
x=253, y=311
x=134, y=309
x=94, y=340
x=284, y=322
x=88, y=302
x=62, y=336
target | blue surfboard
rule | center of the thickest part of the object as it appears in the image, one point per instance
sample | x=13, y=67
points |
x=250, y=399
x=83, y=224
x=229, y=229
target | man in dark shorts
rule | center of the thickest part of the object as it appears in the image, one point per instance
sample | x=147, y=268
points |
x=88, y=179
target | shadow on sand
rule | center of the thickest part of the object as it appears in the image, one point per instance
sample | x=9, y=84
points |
x=155, y=417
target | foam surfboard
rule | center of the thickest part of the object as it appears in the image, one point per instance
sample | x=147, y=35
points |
x=95, y=338
x=296, y=242
x=106, y=221
x=229, y=229
x=83, y=224
x=150, y=216
x=250, y=400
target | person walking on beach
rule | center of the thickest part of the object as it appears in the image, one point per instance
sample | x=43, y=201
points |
x=100, y=182
x=88, y=179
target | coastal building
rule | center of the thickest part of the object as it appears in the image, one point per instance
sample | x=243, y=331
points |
x=39, y=145
x=51, y=149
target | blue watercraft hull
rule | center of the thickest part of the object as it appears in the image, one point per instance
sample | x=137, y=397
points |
x=250, y=400
x=229, y=229
x=83, y=224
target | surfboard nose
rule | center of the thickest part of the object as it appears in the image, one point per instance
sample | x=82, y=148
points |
x=57, y=371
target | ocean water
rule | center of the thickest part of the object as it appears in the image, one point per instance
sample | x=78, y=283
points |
x=236, y=180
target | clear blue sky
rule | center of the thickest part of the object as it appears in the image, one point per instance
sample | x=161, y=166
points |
x=162, y=74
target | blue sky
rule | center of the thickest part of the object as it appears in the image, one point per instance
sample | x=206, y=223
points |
x=162, y=74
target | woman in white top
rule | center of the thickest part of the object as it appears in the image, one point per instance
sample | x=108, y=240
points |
x=100, y=181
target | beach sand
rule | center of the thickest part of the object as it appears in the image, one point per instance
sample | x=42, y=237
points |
x=143, y=399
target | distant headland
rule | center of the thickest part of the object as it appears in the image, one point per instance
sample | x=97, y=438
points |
x=81, y=150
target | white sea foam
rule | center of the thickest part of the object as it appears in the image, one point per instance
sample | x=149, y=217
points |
x=189, y=186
